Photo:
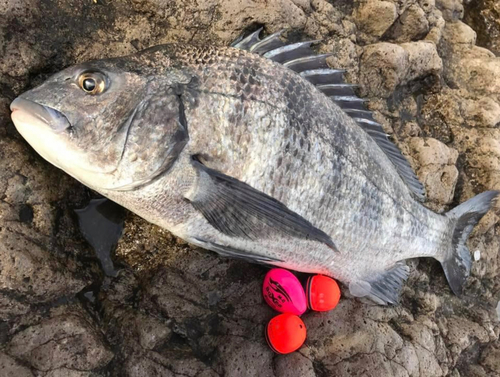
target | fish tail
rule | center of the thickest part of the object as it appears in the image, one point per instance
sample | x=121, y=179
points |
x=457, y=260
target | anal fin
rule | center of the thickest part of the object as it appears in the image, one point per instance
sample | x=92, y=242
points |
x=383, y=288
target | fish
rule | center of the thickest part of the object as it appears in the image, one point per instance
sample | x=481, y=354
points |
x=259, y=151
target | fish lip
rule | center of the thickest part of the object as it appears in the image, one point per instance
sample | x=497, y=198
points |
x=56, y=120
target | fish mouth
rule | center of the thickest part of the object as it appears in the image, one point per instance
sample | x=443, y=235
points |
x=32, y=112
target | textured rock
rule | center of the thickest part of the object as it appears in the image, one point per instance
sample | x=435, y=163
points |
x=29, y=269
x=459, y=33
x=432, y=151
x=437, y=168
x=9, y=367
x=482, y=112
x=452, y=10
x=64, y=372
x=485, y=69
x=385, y=12
x=470, y=67
x=63, y=341
x=294, y=365
x=491, y=358
x=484, y=17
x=174, y=310
x=424, y=60
x=383, y=67
x=152, y=332
x=410, y=26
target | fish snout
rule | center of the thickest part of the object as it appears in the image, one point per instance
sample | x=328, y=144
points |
x=26, y=111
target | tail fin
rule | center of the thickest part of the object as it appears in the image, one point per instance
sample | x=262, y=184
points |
x=457, y=261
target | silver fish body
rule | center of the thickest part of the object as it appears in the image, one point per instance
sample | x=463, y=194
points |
x=241, y=155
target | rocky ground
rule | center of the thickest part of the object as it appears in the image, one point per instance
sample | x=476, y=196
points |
x=174, y=310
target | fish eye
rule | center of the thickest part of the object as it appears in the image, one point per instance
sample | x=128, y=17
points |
x=92, y=82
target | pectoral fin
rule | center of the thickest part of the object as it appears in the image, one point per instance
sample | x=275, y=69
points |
x=238, y=210
x=230, y=252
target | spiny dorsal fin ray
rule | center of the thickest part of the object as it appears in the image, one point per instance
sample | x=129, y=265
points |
x=361, y=115
x=269, y=43
x=337, y=89
x=289, y=52
x=324, y=76
x=308, y=62
x=313, y=67
x=244, y=43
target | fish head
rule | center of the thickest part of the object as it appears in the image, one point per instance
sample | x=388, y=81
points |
x=112, y=124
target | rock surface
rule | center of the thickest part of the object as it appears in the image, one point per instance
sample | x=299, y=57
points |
x=484, y=16
x=174, y=310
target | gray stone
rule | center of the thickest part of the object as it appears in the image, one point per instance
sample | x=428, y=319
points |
x=174, y=310
x=66, y=341
x=294, y=365
x=64, y=372
x=152, y=332
x=9, y=367
x=490, y=358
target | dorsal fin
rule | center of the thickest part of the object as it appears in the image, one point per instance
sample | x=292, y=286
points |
x=300, y=58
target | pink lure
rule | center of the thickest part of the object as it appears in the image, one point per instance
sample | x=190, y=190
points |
x=283, y=292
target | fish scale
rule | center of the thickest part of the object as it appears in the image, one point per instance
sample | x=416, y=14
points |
x=300, y=178
x=272, y=162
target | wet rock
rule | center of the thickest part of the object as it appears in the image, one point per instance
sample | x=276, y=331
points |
x=64, y=341
x=173, y=365
x=145, y=367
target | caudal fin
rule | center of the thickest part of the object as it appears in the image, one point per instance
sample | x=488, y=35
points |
x=457, y=260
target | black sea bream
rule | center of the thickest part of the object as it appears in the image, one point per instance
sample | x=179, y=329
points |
x=257, y=151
